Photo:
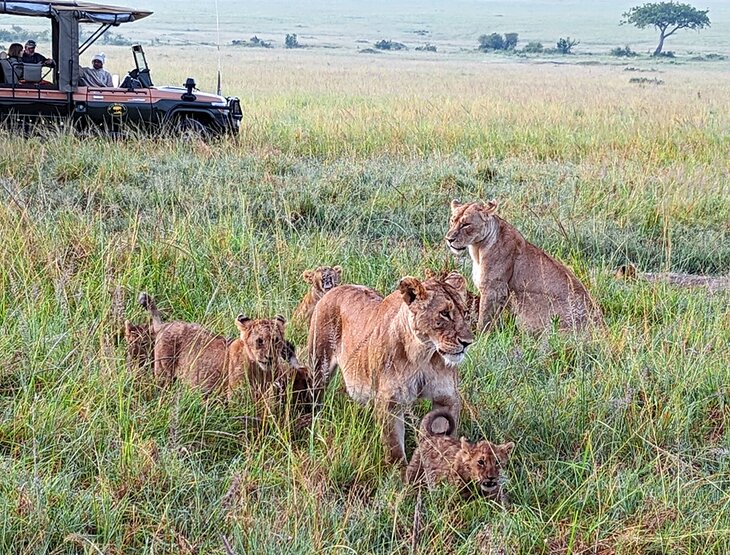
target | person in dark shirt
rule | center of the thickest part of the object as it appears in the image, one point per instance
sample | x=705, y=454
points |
x=30, y=56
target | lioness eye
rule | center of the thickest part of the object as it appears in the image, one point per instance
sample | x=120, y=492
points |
x=446, y=314
x=480, y=462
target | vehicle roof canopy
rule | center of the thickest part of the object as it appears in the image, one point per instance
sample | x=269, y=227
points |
x=84, y=12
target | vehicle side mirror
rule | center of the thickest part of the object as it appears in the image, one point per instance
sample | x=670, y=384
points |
x=189, y=85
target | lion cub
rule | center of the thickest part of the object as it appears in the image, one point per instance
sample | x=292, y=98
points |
x=322, y=280
x=473, y=468
x=213, y=363
x=508, y=270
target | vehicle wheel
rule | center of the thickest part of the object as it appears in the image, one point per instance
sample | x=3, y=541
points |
x=191, y=129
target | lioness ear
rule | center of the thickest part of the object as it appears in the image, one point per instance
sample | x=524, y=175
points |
x=241, y=320
x=429, y=273
x=280, y=320
x=490, y=207
x=411, y=289
x=338, y=270
x=506, y=449
x=455, y=204
x=456, y=280
x=464, y=444
x=308, y=276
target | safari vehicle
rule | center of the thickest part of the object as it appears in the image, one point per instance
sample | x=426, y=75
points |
x=31, y=92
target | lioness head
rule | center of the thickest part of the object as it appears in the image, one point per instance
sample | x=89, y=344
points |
x=437, y=314
x=470, y=223
x=264, y=339
x=323, y=278
x=482, y=463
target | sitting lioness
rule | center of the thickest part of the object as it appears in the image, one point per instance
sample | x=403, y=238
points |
x=322, y=279
x=393, y=350
x=508, y=269
x=473, y=468
x=213, y=363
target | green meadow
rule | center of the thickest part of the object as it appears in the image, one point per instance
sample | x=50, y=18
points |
x=622, y=444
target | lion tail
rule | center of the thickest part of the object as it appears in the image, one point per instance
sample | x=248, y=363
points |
x=148, y=303
x=438, y=422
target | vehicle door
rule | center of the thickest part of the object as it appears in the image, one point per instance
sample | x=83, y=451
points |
x=117, y=108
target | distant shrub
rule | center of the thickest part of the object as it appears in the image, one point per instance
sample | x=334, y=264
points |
x=565, y=45
x=115, y=39
x=368, y=51
x=510, y=41
x=254, y=41
x=16, y=33
x=422, y=32
x=428, y=47
x=623, y=52
x=711, y=57
x=533, y=47
x=291, y=41
x=390, y=45
x=491, y=42
x=666, y=54
x=645, y=81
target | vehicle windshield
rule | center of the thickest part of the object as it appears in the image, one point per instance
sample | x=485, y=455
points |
x=139, y=58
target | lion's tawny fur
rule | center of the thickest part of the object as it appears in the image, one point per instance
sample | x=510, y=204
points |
x=508, y=270
x=321, y=279
x=215, y=364
x=472, y=468
x=393, y=350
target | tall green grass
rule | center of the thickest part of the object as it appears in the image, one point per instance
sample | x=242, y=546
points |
x=622, y=445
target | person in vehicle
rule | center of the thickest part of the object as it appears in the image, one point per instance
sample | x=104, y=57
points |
x=30, y=56
x=96, y=76
x=15, y=53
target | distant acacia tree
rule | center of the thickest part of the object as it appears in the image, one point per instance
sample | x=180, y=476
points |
x=667, y=18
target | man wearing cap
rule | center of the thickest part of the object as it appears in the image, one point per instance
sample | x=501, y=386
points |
x=30, y=56
x=96, y=76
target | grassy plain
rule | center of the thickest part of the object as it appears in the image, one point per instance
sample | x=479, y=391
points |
x=622, y=446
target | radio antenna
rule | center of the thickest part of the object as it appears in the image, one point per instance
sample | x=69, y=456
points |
x=219, y=89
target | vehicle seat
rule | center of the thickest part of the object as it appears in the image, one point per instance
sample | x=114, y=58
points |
x=32, y=73
x=12, y=72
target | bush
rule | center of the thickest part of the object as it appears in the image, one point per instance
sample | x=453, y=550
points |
x=491, y=42
x=646, y=81
x=291, y=41
x=624, y=52
x=510, y=41
x=666, y=54
x=115, y=39
x=253, y=41
x=16, y=33
x=390, y=45
x=565, y=46
x=428, y=47
x=533, y=47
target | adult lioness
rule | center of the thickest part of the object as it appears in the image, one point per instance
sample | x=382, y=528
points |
x=393, y=350
x=507, y=268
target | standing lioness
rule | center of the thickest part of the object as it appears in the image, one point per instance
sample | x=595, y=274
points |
x=393, y=350
x=506, y=267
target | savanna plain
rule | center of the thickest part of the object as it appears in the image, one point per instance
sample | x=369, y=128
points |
x=622, y=444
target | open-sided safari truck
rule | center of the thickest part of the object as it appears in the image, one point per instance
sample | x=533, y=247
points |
x=31, y=92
